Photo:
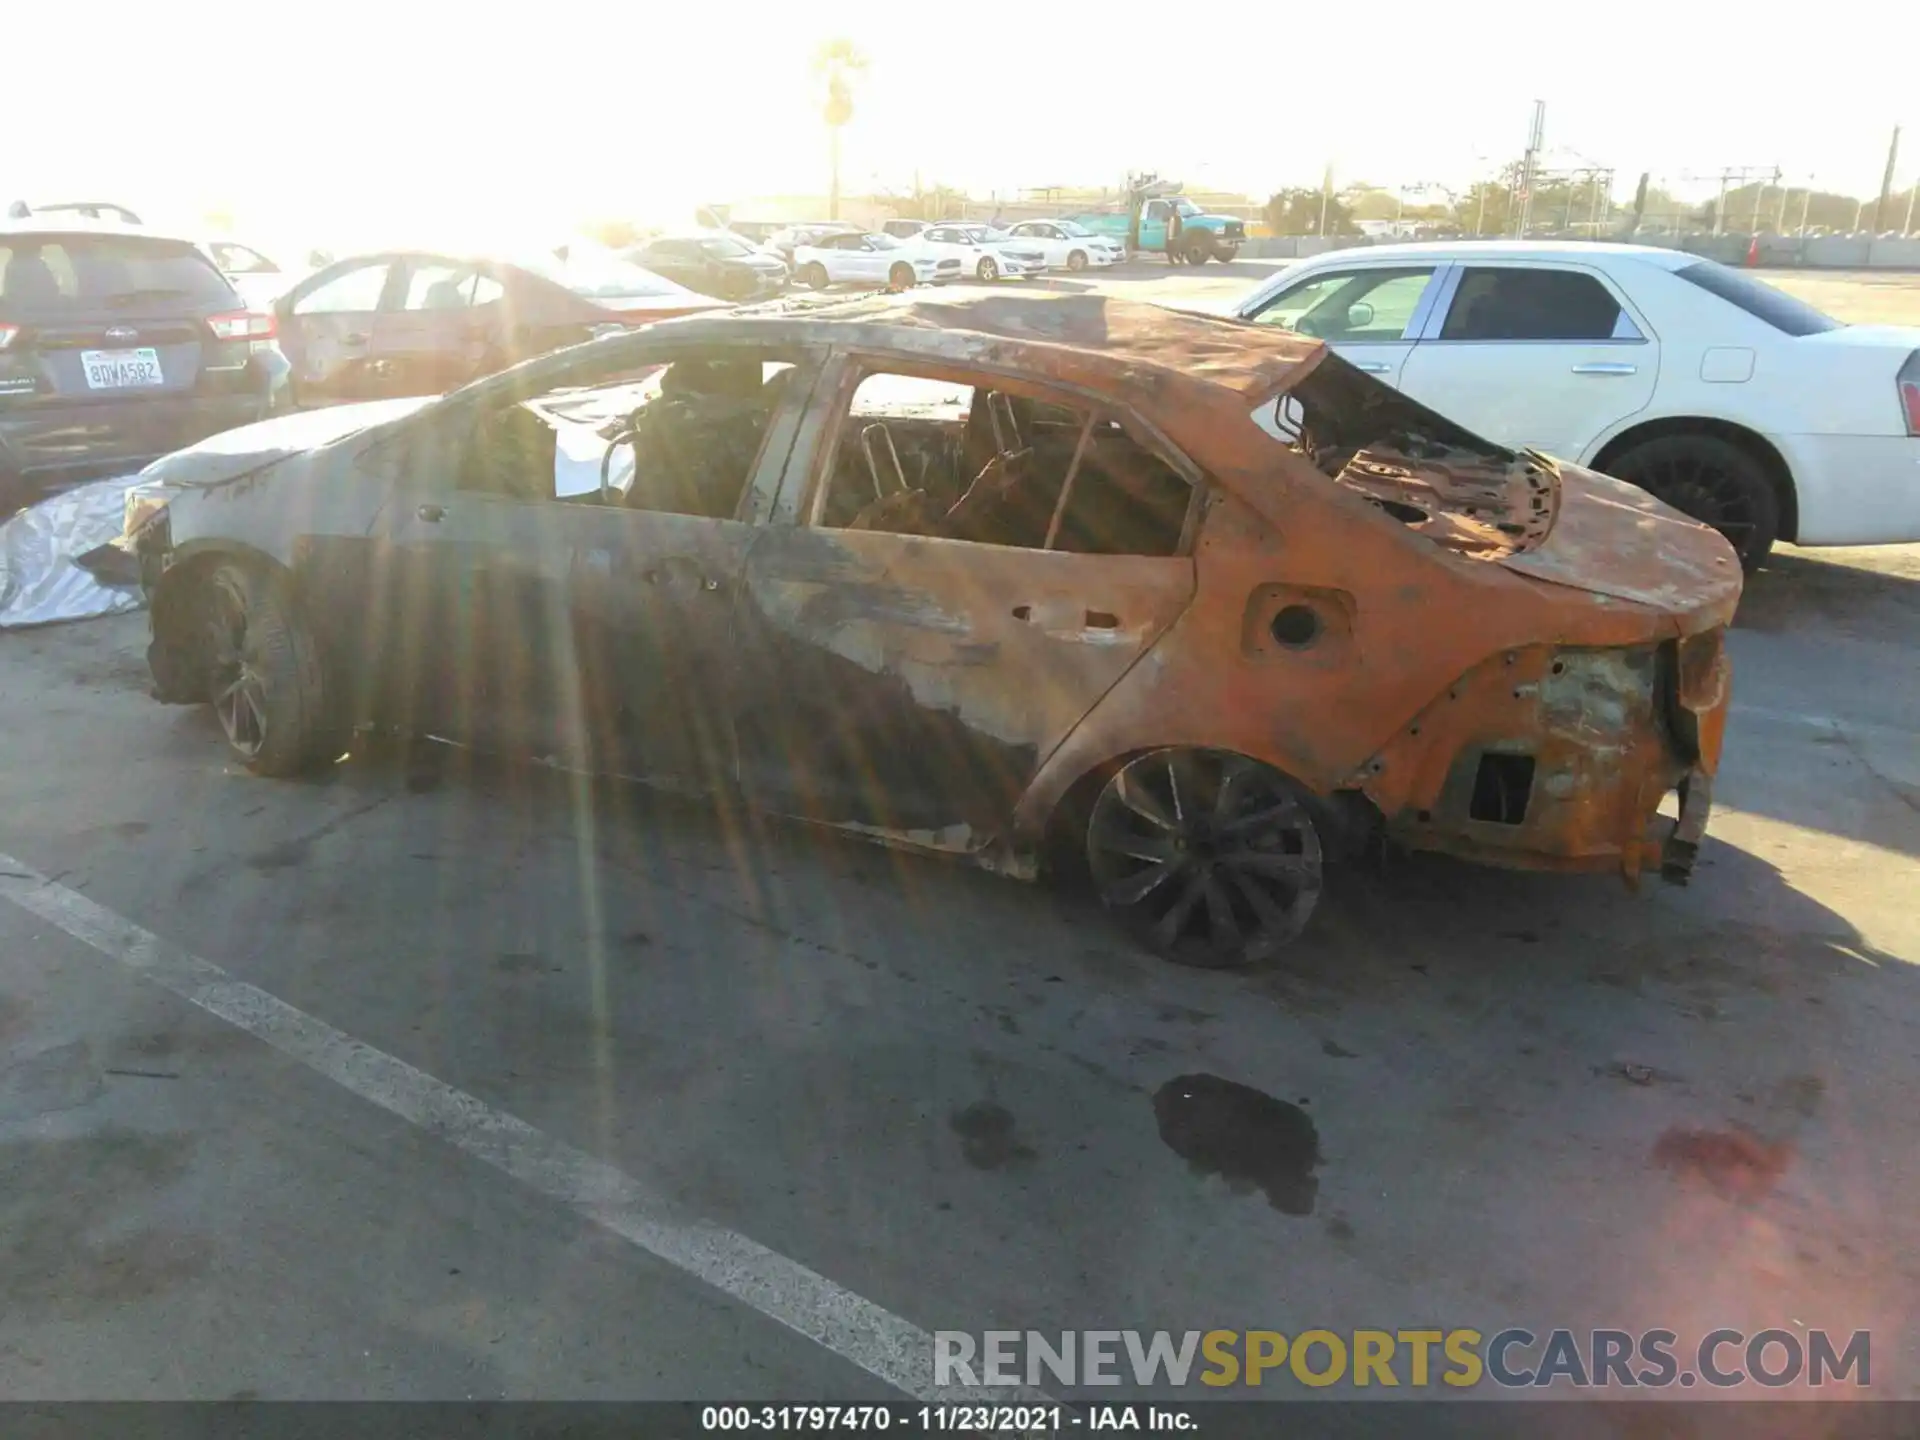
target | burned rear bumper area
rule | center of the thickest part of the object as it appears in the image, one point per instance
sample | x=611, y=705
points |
x=1560, y=758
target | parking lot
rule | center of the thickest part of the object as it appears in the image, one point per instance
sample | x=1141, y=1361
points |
x=443, y=1077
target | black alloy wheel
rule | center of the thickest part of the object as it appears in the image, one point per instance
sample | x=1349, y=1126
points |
x=1210, y=859
x=1715, y=482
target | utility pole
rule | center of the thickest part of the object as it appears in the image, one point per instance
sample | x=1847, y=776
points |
x=1912, y=190
x=1536, y=141
x=1806, y=199
x=1326, y=196
x=1480, y=212
x=1886, y=182
x=1780, y=220
x=1759, y=194
x=1720, y=204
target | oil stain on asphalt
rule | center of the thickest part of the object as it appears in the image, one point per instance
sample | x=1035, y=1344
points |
x=986, y=1136
x=1249, y=1139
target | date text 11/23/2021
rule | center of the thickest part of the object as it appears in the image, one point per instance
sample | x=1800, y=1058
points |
x=914, y=1419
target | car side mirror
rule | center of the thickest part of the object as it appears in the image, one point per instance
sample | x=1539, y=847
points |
x=1359, y=315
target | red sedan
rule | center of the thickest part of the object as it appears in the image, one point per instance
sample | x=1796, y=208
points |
x=413, y=322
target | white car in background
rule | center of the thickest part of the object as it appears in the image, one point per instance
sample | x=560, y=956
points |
x=789, y=238
x=980, y=254
x=259, y=280
x=864, y=258
x=1067, y=245
x=1729, y=400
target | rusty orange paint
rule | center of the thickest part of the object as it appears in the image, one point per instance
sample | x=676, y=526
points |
x=1426, y=653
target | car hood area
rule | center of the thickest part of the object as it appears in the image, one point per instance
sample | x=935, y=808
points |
x=234, y=453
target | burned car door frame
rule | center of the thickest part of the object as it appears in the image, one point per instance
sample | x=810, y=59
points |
x=913, y=685
x=587, y=631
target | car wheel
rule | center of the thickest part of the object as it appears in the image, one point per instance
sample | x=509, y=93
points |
x=900, y=277
x=1714, y=481
x=1077, y=260
x=264, y=675
x=1198, y=253
x=1209, y=858
x=986, y=269
x=813, y=275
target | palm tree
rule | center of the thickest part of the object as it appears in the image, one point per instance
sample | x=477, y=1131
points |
x=838, y=62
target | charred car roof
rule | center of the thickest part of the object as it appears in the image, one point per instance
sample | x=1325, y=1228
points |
x=1118, y=340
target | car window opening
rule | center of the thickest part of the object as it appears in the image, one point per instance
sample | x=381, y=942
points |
x=917, y=456
x=1430, y=474
x=682, y=439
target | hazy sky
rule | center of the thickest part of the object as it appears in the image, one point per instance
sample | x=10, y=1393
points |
x=361, y=118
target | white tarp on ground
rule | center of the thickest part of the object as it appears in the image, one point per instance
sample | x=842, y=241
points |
x=39, y=583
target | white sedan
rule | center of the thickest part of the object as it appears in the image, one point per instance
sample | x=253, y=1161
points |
x=1067, y=245
x=1729, y=400
x=259, y=280
x=979, y=253
x=862, y=258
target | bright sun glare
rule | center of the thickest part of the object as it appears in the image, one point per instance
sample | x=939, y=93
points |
x=356, y=123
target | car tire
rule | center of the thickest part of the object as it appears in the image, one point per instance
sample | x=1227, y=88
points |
x=263, y=671
x=1714, y=481
x=1199, y=252
x=1077, y=261
x=813, y=275
x=987, y=270
x=1209, y=859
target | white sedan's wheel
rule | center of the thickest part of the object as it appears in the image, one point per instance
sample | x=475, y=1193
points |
x=987, y=269
x=1077, y=260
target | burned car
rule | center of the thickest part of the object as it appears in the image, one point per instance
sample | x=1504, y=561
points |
x=1013, y=578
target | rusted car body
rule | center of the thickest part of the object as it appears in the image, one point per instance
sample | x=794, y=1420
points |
x=1089, y=595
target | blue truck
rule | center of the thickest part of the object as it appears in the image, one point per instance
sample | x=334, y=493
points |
x=1156, y=219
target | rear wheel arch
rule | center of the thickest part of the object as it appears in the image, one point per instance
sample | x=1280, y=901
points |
x=1751, y=442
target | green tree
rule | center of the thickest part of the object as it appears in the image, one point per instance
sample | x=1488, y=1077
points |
x=1297, y=212
x=1487, y=208
x=1367, y=202
x=839, y=63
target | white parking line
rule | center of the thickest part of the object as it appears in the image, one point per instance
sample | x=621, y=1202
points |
x=854, y=1328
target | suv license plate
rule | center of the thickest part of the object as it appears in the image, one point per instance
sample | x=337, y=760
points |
x=121, y=369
